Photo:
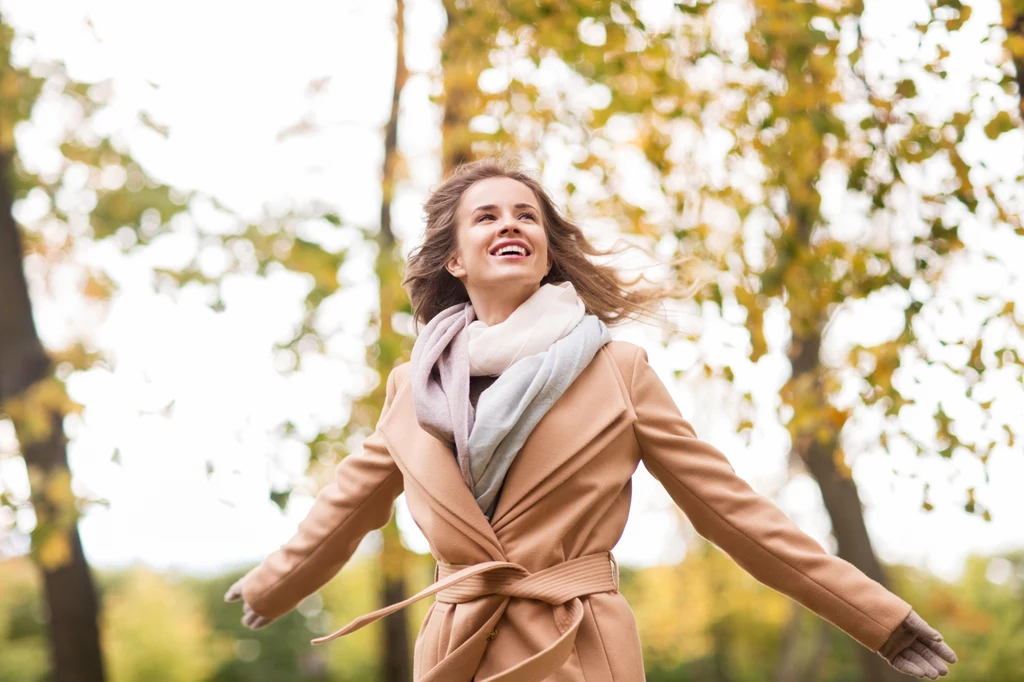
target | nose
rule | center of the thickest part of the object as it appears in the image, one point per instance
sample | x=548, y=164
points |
x=509, y=223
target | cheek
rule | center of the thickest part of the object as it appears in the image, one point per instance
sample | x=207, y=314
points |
x=471, y=248
x=475, y=253
x=542, y=246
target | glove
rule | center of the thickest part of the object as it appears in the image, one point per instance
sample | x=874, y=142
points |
x=250, y=618
x=915, y=648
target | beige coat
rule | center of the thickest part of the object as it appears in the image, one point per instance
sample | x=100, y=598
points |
x=533, y=594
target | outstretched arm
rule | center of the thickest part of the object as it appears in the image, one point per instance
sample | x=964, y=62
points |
x=358, y=500
x=746, y=525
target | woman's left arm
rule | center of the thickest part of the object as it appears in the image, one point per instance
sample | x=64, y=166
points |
x=753, y=531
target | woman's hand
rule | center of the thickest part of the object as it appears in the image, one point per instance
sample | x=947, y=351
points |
x=250, y=618
x=916, y=648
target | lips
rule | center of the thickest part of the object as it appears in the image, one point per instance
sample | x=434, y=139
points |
x=510, y=242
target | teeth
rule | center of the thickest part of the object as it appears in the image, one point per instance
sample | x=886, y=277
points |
x=511, y=250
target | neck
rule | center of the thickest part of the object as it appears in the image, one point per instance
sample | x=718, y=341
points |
x=494, y=307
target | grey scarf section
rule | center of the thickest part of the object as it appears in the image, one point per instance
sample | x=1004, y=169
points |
x=488, y=437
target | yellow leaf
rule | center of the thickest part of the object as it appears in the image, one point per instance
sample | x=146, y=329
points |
x=1015, y=44
x=97, y=287
x=839, y=459
x=55, y=551
x=58, y=489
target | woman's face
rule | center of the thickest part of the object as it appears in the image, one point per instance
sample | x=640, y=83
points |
x=490, y=213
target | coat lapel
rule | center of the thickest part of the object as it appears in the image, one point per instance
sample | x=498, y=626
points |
x=593, y=409
x=432, y=466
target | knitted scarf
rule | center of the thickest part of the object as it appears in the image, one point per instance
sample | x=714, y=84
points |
x=537, y=352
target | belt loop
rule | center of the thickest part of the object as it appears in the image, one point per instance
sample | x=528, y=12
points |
x=436, y=567
x=615, y=570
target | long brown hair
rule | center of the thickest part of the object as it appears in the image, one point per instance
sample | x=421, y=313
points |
x=432, y=288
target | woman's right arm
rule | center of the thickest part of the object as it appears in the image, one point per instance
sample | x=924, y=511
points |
x=358, y=500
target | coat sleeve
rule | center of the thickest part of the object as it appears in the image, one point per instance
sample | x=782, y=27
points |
x=747, y=526
x=358, y=500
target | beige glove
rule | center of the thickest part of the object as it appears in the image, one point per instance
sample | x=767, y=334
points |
x=916, y=648
x=250, y=618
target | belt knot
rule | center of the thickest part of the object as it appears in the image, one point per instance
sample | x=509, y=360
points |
x=556, y=584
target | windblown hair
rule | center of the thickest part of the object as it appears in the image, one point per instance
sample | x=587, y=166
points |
x=431, y=288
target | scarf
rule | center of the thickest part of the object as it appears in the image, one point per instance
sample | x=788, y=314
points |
x=537, y=352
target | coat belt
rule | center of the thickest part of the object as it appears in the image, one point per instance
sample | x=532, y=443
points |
x=560, y=585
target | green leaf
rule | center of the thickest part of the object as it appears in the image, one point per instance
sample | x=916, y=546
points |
x=280, y=499
x=1000, y=123
x=906, y=88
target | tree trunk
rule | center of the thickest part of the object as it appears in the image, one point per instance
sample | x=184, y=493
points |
x=396, y=663
x=788, y=667
x=795, y=664
x=812, y=672
x=460, y=80
x=854, y=545
x=70, y=594
x=719, y=629
x=842, y=501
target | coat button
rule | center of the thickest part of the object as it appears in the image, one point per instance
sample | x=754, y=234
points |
x=493, y=633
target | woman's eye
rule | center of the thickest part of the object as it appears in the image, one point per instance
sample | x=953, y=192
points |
x=485, y=215
x=527, y=215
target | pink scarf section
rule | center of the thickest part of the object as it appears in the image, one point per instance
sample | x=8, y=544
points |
x=455, y=345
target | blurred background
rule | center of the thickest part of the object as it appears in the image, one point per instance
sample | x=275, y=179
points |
x=205, y=208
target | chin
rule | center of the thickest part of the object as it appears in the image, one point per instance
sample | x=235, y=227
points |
x=523, y=277
x=516, y=279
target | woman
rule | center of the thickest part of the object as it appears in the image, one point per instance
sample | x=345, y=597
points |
x=514, y=431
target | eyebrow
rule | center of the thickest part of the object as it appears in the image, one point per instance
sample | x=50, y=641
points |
x=493, y=207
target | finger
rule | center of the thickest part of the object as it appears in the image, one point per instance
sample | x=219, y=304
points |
x=253, y=620
x=929, y=670
x=262, y=622
x=927, y=654
x=234, y=592
x=249, y=620
x=943, y=650
x=901, y=663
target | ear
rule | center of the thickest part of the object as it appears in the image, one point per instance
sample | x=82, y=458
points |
x=454, y=267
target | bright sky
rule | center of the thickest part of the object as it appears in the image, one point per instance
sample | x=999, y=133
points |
x=231, y=76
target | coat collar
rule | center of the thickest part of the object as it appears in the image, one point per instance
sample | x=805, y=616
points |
x=594, y=404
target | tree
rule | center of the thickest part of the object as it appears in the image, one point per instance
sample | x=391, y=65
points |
x=391, y=348
x=94, y=188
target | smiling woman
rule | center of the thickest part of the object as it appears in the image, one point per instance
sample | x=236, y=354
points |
x=503, y=247
x=523, y=488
